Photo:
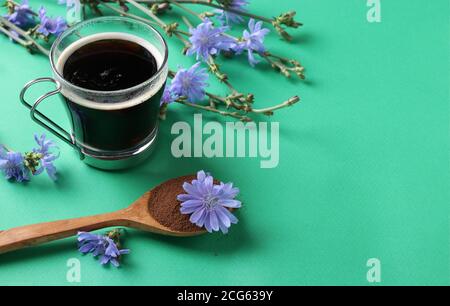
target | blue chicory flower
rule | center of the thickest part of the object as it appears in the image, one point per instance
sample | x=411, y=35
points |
x=112, y=253
x=49, y=26
x=168, y=96
x=207, y=203
x=48, y=166
x=12, y=166
x=47, y=159
x=22, y=16
x=207, y=40
x=45, y=145
x=91, y=243
x=252, y=41
x=229, y=18
x=100, y=245
x=190, y=83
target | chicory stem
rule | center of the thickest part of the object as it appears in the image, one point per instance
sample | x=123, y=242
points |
x=186, y=9
x=14, y=37
x=213, y=5
x=161, y=23
x=24, y=34
x=269, y=110
x=126, y=14
x=217, y=111
x=147, y=12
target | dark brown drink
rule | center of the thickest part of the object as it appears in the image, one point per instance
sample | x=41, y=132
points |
x=110, y=65
x=113, y=65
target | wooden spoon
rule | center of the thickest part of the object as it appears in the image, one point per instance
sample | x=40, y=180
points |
x=137, y=216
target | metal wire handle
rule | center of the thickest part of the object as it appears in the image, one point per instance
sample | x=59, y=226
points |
x=46, y=122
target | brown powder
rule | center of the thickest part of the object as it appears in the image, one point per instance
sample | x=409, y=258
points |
x=165, y=208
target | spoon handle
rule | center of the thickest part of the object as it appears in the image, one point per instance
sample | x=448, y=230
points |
x=32, y=235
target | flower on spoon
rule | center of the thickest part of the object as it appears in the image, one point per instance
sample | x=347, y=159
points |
x=209, y=203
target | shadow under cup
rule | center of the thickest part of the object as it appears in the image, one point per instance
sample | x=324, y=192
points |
x=112, y=128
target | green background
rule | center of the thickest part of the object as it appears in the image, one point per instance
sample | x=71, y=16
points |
x=363, y=173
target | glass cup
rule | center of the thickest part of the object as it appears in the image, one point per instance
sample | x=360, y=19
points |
x=110, y=129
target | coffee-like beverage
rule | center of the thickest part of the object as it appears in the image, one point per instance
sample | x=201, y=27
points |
x=110, y=73
x=110, y=63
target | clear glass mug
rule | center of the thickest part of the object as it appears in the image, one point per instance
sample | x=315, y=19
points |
x=110, y=129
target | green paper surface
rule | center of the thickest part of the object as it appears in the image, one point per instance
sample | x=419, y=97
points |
x=363, y=171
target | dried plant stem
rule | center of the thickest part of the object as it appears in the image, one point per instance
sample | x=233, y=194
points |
x=161, y=23
x=217, y=111
x=184, y=8
x=246, y=107
x=13, y=37
x=278, y=66
x=147, y=11
x=265, y=111
x=270, y=110
x=130, y=15
x=188, y=23
x=126, y=14
x=228, y=102
x=25, y=36
x=212, y=5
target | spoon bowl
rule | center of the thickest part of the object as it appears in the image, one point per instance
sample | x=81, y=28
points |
x=138, y=216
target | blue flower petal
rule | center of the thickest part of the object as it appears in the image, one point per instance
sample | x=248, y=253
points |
x=192, y=189
x=208, y=224
x=214, y=221
x=195, y=217
x=230, y=203
x=187, y=197
x=223, y=216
